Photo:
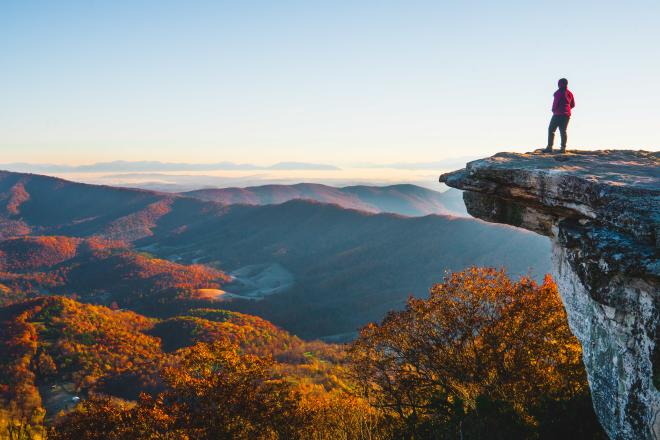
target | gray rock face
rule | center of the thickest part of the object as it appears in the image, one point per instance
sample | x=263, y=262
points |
x=602, y=211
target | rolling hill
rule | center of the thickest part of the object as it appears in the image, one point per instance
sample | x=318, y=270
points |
x=97, y=271
x=332, y=269
x=349, y=267
x=409, y=200
x=54, y=350
x=42, y=205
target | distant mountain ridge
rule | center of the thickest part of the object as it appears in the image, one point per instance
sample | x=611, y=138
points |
x=130, y=166
x=348, y=266
x=153, y=165
x=404, y=199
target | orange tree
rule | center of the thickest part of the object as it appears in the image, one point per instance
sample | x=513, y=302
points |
x=483, y=355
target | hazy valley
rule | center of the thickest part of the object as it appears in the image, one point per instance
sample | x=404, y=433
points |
x=334, y=269
x=107, y=292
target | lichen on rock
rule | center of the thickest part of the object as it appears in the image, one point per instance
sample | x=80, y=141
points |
x=601, y=210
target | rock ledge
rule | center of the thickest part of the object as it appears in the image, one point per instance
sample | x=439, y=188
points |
x=601, y=210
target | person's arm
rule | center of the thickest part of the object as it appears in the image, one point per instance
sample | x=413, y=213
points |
x=555, y=101
x=572, y=100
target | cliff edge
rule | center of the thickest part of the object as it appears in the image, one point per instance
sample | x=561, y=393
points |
x=601, y=210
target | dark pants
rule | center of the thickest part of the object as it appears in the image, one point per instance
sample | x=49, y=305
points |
x=561, y=122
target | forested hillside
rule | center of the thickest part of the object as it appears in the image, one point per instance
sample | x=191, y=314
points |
x=489, y=353
x=333, y=269
x=98, y=271
x=132, y=314
x=55, y=350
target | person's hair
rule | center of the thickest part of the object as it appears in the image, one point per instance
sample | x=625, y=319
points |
x=563, y=82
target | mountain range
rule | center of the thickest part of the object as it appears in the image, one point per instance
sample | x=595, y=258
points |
x=316, y=269
x=146, y=166
x=410, y=200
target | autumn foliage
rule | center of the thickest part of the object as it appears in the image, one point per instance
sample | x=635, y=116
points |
x=30, y=253
x=97, y=270
x=480, y=346
x=217, y=392
x=482, y=357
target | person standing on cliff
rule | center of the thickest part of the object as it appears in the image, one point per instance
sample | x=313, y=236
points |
x=561, y=114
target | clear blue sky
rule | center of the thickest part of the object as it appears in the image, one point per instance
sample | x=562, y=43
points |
x=331, y=81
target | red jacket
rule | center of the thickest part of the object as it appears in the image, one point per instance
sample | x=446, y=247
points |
x=563, y=103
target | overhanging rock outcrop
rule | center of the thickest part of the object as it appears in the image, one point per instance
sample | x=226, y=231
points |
x=601, y=210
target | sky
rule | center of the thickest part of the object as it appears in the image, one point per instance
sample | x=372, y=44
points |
x=326, y=82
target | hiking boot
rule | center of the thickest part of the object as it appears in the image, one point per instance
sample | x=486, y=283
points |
x=547, y=150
